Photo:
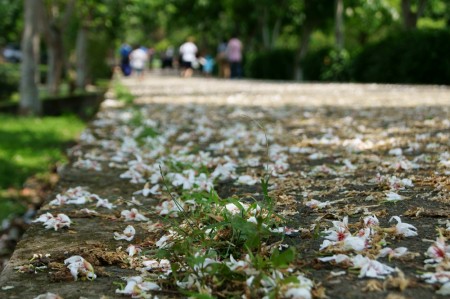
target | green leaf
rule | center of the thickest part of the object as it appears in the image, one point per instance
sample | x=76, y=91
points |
x=253, y=241
x=200, y=296
x=284, y=258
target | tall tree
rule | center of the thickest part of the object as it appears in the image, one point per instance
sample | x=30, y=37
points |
x=29, y=96
x=412, y=10
x=11, y=21
x=339, y=24
x=104, y=17
x=316, y=14
x=56, y=16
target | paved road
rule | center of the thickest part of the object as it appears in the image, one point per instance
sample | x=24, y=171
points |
x=251, y=92
x=347, y=146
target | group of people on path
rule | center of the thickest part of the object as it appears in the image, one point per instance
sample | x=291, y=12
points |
x=134, y=60
x=228, y=59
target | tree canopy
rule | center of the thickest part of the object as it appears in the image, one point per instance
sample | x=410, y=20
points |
x=69, y=29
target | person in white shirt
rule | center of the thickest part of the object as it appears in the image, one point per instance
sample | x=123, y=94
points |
x=188, y=52
x=138, y=59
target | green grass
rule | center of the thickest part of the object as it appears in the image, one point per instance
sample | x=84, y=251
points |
x=30, y=146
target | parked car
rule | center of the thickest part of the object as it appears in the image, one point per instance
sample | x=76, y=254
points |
x=12, y=53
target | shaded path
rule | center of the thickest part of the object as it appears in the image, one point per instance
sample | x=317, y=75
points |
x=346, y=146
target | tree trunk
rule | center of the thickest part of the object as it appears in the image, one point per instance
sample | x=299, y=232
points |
x=37, y=56
x=269, y=37
x=339, y=24
x=265, y=30
x=303, y=50
x=409, y=17
x=81, y=57
x=29, y=95
x=55, y=59
x=54, y=27
x=276, y=32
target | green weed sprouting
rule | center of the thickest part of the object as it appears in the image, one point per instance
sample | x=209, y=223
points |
x=123, y=94
x=218, y=229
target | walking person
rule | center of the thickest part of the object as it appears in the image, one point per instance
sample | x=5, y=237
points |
x=167, y=61
x=125, y=66
x=138, y=61
x=222, y=60
x=234, y=53
x=188, y=52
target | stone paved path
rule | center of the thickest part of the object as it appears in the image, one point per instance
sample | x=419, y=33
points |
x=335, y=150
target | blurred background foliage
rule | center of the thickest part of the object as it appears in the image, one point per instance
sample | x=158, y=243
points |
x=284, y=40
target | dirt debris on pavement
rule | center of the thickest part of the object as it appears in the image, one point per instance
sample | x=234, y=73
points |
x=358, y=176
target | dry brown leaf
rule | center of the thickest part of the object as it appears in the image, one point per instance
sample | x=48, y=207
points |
x=395, y=296
x=400, y=282
x=373, y=285
x=319, y=291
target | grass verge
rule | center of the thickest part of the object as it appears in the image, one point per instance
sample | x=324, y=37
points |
x=30, y=146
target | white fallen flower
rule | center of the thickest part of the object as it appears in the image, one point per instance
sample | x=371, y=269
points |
x=88, y=211
x=337, y=258
x=186, y=180
x=281, y=229
x=317, y=156
x=246, y=180
x=59, y=200
x=371, y=268
x=136, y=287
x=166, y=240
x=371, y=221
x=298, y=293
x=436, y=277
x=48, y=295
x=253, y=162
x=78, y=266
x=163, y=265
x=225, y=171
x=253, y=219
x=87, y=164
x=444, y=290
x=392, y=196
x=339, y=231
x=249, y=281
x=315, y=204
x=49, y=221
x=134, y=201
x=355, y=243
x=132, y=250
x=150, y=264
x=348, y=165
x=300, y=289
x=44, y=217
x=146, y=191
x=393, y=253
x=170, y=207
x=104, y=203
x=396, y=152
x=438, y=251
x=404, y=229
x=128, y=234
x=238, y=265
x=399, y=184
x=133, y=215
x=235, y=209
